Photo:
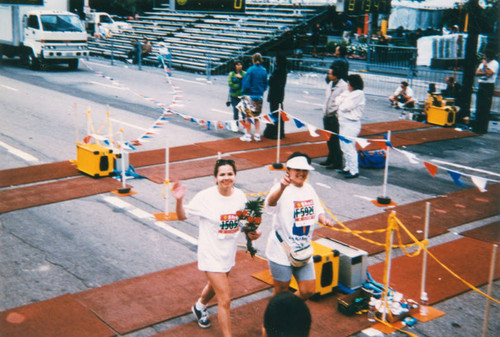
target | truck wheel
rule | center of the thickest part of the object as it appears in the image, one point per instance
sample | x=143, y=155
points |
x=73, y=64
x=33, y=61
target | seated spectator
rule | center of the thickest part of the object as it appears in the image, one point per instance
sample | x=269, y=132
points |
x=144, y=49
x=402, y=97
x=286, y=315
x=453, y=89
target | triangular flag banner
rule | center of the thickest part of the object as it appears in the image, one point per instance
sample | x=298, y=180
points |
x=325, y=134
x=298, y=123
x=362, y=142
x=410, y=156
x=284, y=116
x=456, y=178
x=431, y=168
x=479, y=182
x=267, y=120
x=345, y=140
x=312, y=130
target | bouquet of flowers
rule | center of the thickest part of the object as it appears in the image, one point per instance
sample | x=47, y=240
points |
x=250, y=219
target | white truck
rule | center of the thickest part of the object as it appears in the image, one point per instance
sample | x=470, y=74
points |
x=107, y=25
x=42, y=33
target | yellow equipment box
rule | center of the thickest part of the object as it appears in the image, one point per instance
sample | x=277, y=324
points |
x=444, y=116
x=94, y=159
x=438, y=111
x=326, y=266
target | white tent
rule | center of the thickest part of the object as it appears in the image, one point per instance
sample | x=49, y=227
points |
x=412, y=15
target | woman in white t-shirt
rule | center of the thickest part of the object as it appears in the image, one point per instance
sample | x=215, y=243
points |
x=216, y=208
x=295, y=207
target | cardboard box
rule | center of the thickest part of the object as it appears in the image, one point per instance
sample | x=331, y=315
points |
x=494, y=126
x=352, y=303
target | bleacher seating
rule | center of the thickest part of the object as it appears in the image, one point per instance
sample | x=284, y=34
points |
x=197, y=39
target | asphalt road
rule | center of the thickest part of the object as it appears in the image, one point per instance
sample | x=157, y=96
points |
x=79, y=244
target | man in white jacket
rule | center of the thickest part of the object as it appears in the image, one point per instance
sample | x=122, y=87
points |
x=351, y=108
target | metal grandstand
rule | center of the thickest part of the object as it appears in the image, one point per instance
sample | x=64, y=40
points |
x=207, y=41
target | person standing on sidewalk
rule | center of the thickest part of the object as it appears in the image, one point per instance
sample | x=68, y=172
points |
x=487, y=72
x=216, y=208
x=336, y=86
x=234, y=81
x=351, y=107
x=253, y=87
x=276, y=96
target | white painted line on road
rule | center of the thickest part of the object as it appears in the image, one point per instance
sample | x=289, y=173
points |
x=222, y=111
x=108, y=86
x=177, y=232
x=309, y=103
x=363, y=197
x=100, y=64
x=128, y=124
x=141, y=214
x=21, y=154
x=323, y=185
x=189, y=81
x=115, y=201
x=10, y=88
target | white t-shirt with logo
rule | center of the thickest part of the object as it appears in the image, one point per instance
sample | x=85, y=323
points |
x=294, y=217
x=218, y=227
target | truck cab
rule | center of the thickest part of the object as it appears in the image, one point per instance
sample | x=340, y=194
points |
x=53, y=37
x=105, y=21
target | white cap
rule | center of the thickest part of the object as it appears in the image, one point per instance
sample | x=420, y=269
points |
x=299, y=163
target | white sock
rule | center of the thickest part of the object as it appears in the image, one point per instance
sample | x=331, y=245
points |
x=200, y=306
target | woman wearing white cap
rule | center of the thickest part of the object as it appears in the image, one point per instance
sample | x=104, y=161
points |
x=295, y=207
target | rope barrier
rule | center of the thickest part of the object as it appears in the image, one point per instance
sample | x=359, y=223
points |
x=443, y=265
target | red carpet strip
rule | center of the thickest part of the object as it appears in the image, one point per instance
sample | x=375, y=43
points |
x=60, y=316
x=247, y=321
x=489, y=233
x=447, y=211
x=37, y=173
x=47, y=193
x=468, y=258
x=138, y=302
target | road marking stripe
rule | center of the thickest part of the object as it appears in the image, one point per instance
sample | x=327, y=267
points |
x=222, y=111
x=128, y=124
x=117, y=202
x=21, y=154
x=323, y=185
x=177, y=232
x=363, y=197
x=108, y=86
x=10, y=88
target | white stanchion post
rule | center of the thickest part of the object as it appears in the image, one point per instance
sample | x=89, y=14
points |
x=279, y=136
x=122, y=155
x=77, y=131
x=423, y=293
x=277, y=164
x=167, y=176
x=490, y=286
x=384, y=199
x=388, y=257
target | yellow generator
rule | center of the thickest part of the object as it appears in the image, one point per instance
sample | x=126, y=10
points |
x=326, y=266
x=439, y=111
x=94, y=159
